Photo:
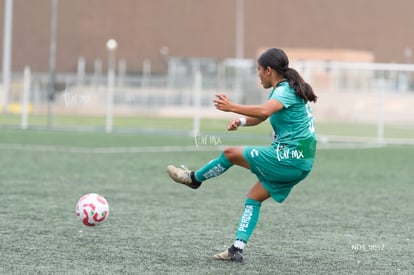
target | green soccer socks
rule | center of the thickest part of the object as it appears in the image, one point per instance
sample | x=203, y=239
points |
x=214, y=168
x=248, y=222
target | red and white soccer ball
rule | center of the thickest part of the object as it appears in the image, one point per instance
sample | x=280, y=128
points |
x=92, y=209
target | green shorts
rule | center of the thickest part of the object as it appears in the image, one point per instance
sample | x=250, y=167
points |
x=277, y=177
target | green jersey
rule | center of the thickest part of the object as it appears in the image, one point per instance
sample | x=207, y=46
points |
x=294, y=130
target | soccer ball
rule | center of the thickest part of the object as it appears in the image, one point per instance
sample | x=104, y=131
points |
x=92, y=209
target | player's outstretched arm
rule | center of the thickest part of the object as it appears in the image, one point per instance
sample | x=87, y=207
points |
x=262, y=112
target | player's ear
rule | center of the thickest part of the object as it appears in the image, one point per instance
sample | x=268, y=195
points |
x=268, y=70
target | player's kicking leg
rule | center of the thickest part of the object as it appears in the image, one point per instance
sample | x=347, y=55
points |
x=214, y=168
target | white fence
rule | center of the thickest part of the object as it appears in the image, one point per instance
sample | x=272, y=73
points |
x=353, y=92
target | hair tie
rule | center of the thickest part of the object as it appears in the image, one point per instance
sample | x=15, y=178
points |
x=283, y=70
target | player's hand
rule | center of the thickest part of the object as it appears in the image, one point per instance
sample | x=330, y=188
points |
x=222, y=103
x=233, y=124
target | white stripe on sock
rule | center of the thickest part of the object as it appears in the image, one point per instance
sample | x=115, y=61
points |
x=239, y=244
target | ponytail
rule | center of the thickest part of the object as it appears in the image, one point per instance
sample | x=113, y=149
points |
x=302, y=89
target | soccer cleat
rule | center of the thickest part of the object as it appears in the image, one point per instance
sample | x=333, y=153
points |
x=183, y=175
x=232, y=254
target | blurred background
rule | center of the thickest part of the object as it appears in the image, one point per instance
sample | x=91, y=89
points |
x=89, y=64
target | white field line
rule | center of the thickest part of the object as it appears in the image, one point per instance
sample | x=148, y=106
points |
x=368, y=140
x=107, y=150
x=156, y=149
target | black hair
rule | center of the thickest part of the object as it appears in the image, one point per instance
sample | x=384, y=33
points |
x=278, y=61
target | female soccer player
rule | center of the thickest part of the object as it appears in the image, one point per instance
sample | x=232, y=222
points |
x=278, y=167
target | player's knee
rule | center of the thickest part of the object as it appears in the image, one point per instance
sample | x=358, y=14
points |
x=233, y=154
